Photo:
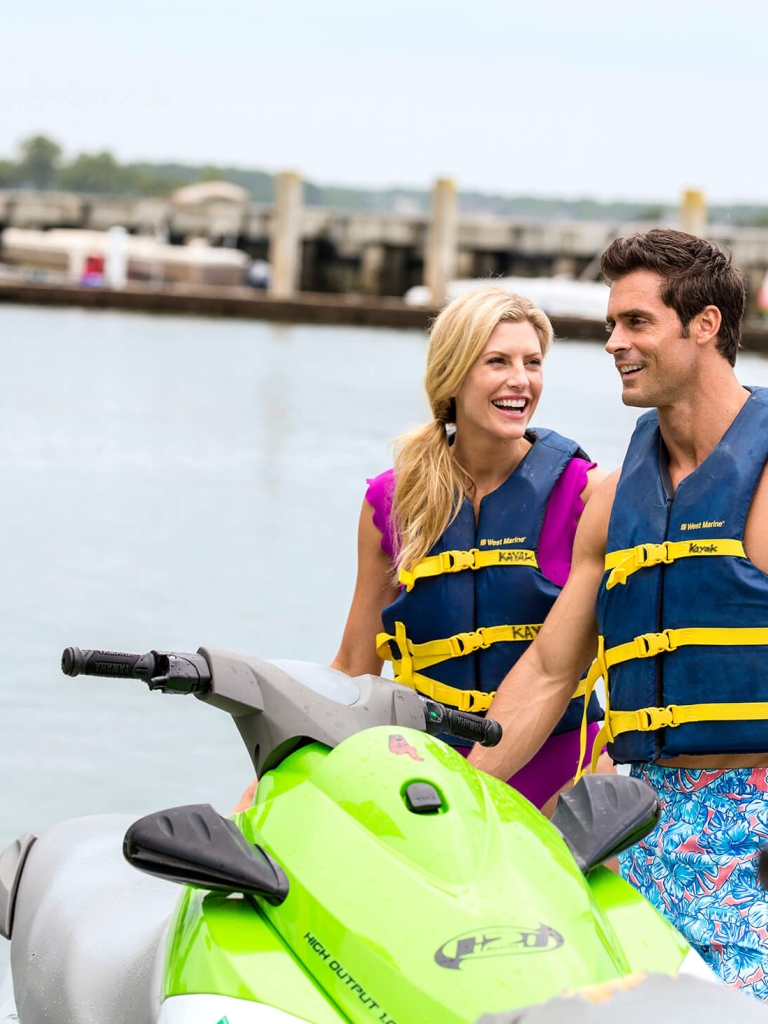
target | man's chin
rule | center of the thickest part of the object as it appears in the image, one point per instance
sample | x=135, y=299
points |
x=636, y=399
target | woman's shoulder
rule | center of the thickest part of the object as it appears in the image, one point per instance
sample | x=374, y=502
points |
x=383, y=480
x=595, y=476
x=380, y=489
x=572, y=489
x=379, y=496
x=566, y=503
x=578, y=471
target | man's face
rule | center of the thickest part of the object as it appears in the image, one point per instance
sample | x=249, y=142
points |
x=655, y=361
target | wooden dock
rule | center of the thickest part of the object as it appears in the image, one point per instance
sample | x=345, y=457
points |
x=302, y=308
x=206, y=300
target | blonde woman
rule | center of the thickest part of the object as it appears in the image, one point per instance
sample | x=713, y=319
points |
x=464, y=545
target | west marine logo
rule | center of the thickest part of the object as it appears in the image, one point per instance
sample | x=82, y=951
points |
x=705, y=524
x=504, y=940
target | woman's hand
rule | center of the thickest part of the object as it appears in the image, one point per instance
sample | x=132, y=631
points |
x=246, y=800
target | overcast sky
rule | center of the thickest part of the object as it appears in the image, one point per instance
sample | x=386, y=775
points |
x=610, y=100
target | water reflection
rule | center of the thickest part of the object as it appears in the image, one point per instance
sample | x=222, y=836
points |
x=274, y=409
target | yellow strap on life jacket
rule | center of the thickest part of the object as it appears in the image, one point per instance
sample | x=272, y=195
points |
x=434, y=651
x=649, y=645
x=597, y=669
x=420, y=656
x=650, y=719
x=465, y=700
x=624, y=563
x=457, y=561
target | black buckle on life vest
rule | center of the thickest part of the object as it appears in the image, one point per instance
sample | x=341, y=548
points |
x=394, y=650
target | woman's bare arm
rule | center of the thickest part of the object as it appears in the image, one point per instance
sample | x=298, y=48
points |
x=374, y=590
x=595, y=477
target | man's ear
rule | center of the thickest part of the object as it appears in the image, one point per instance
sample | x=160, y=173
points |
x=706, y=324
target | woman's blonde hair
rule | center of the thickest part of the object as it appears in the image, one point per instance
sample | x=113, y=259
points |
x=429, y=483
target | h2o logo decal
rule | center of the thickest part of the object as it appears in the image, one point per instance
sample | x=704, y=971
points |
x=503, y=940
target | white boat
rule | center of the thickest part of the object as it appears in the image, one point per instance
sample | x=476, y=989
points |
x=144, y=258
x=557, y=296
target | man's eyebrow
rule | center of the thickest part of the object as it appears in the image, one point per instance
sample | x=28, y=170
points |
x=625, y=314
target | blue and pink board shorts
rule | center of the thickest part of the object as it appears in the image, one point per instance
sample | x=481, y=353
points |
x=699, y=866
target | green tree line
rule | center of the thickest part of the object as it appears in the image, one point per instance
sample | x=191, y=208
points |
x=40, y=164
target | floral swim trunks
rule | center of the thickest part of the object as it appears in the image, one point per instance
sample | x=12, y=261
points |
x=699, y=866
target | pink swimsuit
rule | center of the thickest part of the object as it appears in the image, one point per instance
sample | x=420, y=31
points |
x=551, y=768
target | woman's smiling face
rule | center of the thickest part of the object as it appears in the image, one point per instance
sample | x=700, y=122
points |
x=503, y=387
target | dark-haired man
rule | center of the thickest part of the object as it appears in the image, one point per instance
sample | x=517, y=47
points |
x=669, y=589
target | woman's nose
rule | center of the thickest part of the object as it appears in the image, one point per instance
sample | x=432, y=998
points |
x=516, y=375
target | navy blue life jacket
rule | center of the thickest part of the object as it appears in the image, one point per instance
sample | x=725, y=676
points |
x=483, y=616
x=688, y=573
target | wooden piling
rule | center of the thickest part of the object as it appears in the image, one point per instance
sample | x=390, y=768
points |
x=442, y=240
x=285, y=236
x=693, y=213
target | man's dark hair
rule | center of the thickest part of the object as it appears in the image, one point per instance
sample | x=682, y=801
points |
x=695, y=274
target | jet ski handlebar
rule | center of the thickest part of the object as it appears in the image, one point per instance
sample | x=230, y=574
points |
x=172, y=672
x=461, y=724
x=160, y=670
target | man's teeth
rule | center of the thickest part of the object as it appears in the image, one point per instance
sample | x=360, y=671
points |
x=630, y=369
x=510, y=403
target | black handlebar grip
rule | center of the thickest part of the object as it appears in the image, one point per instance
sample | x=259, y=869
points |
x=75, y=662
x=485, y=731
x=493, y=733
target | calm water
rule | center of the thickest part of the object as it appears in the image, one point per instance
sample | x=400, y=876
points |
x=171, y=482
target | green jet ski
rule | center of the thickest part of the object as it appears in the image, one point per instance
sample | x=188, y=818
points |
x=377, y=879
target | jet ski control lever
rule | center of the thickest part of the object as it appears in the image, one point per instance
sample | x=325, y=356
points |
x=462, y=724
x=160, y=670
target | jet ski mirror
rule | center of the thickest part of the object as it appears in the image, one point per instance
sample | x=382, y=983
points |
x=603, y=815
x=195, y=846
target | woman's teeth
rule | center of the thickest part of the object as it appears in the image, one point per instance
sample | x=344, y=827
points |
x=518, y=404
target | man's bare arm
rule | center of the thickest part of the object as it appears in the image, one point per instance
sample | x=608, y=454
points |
x=533, y=696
